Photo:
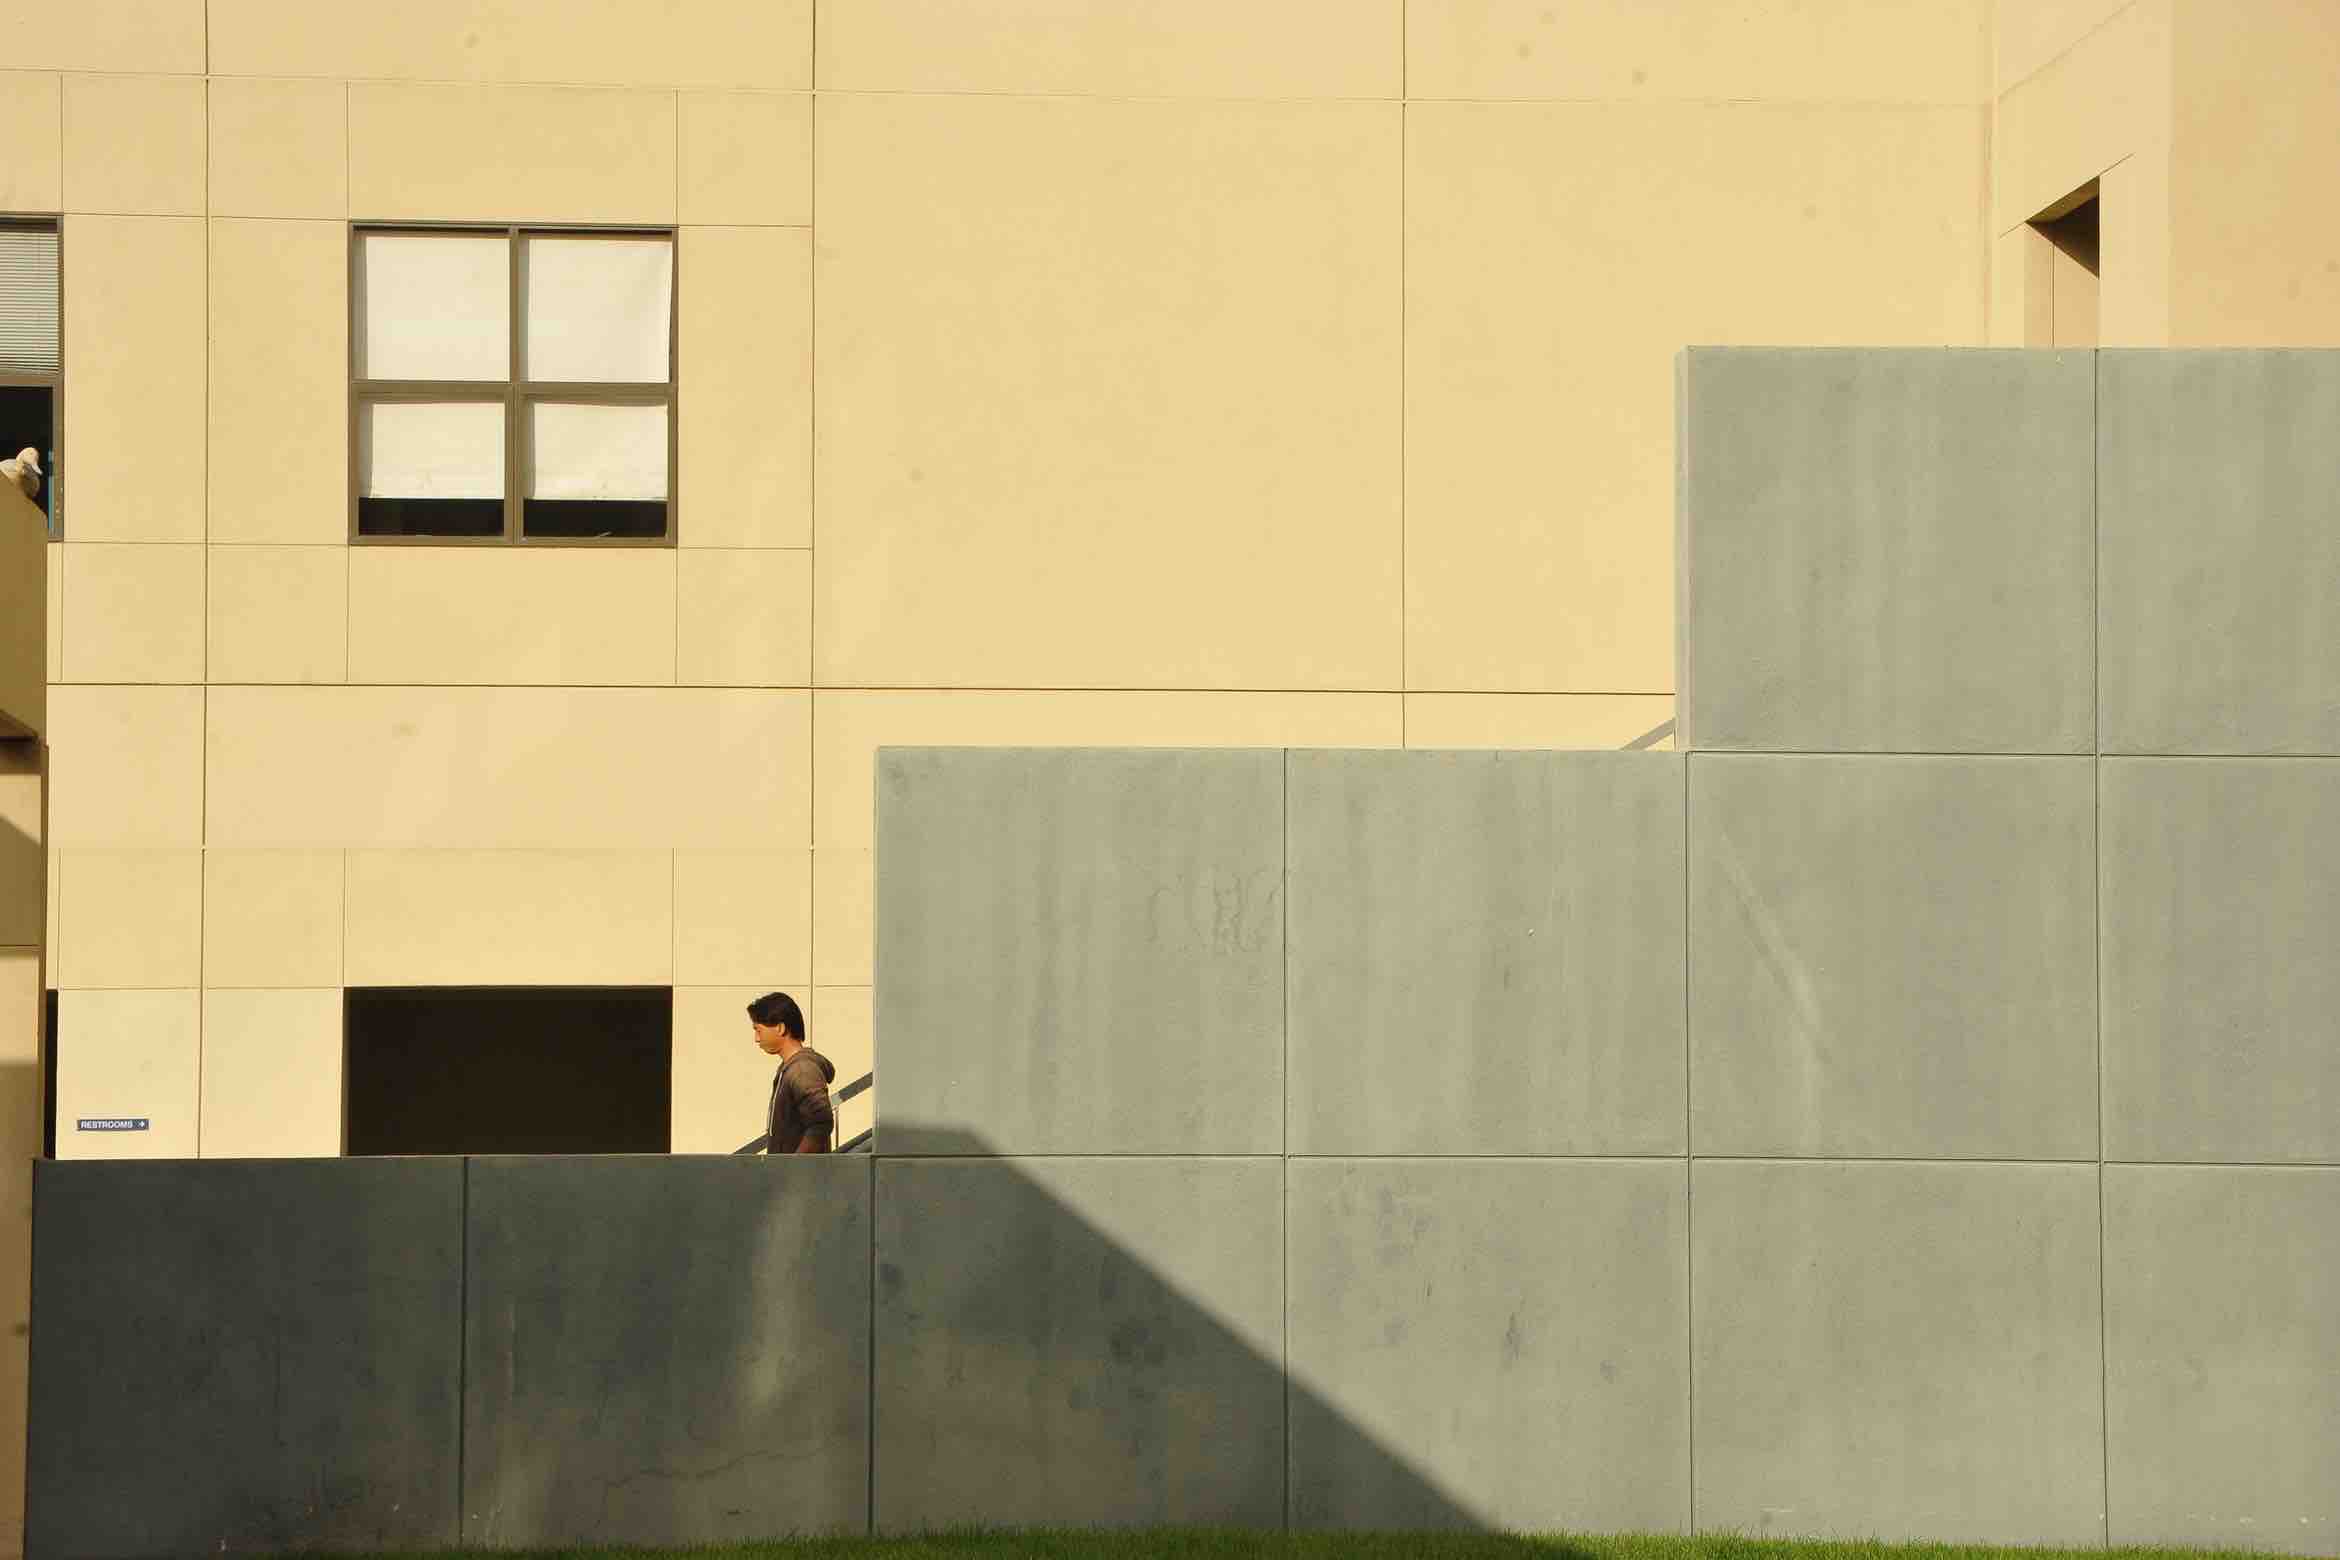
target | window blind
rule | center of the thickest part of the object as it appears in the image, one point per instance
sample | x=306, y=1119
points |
x=28, y=300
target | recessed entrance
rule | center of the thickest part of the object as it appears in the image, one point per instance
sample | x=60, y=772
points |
x=507, y=1070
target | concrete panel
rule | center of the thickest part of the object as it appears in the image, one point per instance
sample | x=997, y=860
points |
x=125, y=766
x=272, y=918
x=1898, y=1351
x=1202, y=48
x=245, y=1356
x=745, y=158
x=1893, y=956
x=136, y=1054
x=721, y=1084
x=128, y=919
x=279, y=148
x=2221, y=530
x=665, y=1351
x=278, y=614
x=2221, y=996
x=499, y=768
x=279, y=310
x=2222, y=1323
x=2106, y=98
x=1701, y=50
x=509, y=153
x=452, y=918
x=135, y=355
x=1887, y=551
x=146, y=35
x=1534, y=720
x=1453, y=1298
x=697, y=43
x=571, y=616
x=743, y=428
x=1558, y=256
x=743, y=618
x=1486, y=953
x=742, y=916
x=137, y=613
x=1079, y=1342
x=989, y=266
x=134, y=145
x=32, y=127
x=271, y=1086
x=1082, y=950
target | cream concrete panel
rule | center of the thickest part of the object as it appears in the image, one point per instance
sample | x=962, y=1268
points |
x=746, y=158
x=743, y=366
x=55, y=573
x=279, y=148
x=851, y=725
x=22, y=860
x=722, y=1085
x=2027, y=35
x=134, y=355
x=742, y=915
x=137, y=613
x=510, y=154
x=845, y=917
x=502, y=615
x=271, y=1074
x=31, y=127
x=134, y=145
x=509, y=768
x=1196, y=48
x=279, y=614
x=129, y=918
x=147, y=35
x=2133, y=210
x=129, y=1053
x=2073, y=289
x=1866, y=51
x=279, y=408
x=685, y=43
x=1533, y=720
x=1558, y=257
x=840, y=1022
x=510, y=918
x=2022, y=306
x=2255, y=239
x=2093, y=105
x=272, y=918
x=745, y=619
x=126, y=765
x=1105, y=389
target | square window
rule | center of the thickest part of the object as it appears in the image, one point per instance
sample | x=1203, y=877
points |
x=512, y=385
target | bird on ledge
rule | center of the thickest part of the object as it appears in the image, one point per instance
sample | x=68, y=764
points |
x=24, y=471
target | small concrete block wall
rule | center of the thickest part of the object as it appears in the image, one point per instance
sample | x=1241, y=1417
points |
x=665, y=1351
x=1894, y=956
x=1065, y=936
x=245, y=1355
x=1486, y=953
x=1897, y=1350
x=1092, y=1341
x=2219, y=522
x=1886, y=550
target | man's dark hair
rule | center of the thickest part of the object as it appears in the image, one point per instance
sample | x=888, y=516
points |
x=778, y=1010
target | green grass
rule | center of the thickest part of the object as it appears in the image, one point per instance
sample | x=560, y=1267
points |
x=1199, y=1544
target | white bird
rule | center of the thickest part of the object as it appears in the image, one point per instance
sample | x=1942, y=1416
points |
x=24, y=471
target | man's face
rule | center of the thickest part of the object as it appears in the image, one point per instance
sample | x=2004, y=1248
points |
x=769, y=1040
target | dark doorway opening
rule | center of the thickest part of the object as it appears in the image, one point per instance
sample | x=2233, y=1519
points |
x=28, y=421
x=507, y=1070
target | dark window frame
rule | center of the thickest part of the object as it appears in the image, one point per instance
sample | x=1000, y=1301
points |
x=47, y=222
x=515, y=393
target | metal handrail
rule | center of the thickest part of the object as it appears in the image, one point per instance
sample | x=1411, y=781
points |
x=855, y=1144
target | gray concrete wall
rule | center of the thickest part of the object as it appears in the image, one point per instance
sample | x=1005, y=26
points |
x=1892, y=1116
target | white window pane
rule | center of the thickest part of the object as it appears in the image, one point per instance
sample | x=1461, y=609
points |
x=597, y=309
x=28, y=301
x=434, y=306
x=431, y=449
x=596, y=452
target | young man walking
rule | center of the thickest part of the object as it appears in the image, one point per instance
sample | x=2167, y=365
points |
x=802, y=1118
